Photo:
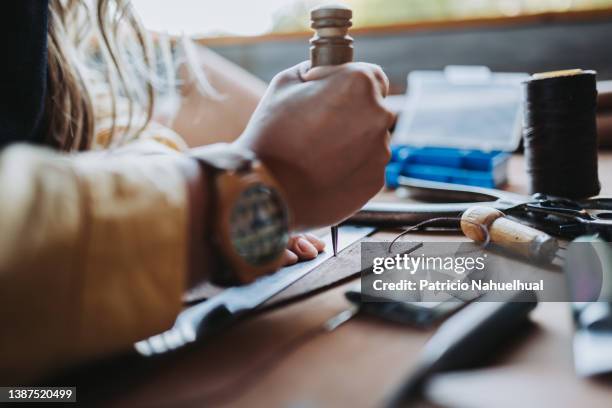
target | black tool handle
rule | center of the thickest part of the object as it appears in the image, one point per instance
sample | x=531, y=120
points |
x=471, y=336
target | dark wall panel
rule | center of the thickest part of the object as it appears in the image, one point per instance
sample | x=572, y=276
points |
x=527, y=48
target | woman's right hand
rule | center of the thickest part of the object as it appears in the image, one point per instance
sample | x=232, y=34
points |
x=323, y=133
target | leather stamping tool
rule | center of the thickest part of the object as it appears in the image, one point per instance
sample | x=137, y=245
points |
x=331, y=45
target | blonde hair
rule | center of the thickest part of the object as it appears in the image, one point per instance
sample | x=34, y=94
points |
x=99, y=42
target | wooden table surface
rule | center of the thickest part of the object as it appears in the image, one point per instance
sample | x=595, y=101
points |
x=356, y=365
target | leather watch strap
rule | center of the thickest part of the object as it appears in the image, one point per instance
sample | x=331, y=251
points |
x=224, y=156
x=214, y=159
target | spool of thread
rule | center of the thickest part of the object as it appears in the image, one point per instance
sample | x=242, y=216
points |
x=560, y=133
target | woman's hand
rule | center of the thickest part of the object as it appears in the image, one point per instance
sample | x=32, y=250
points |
x=302, y=247
x=323, y=134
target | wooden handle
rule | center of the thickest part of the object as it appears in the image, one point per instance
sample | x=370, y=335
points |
x=522, y=239
x=331, y=44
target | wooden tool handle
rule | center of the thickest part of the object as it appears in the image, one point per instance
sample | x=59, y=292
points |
x=528, y=242
x=331, y=44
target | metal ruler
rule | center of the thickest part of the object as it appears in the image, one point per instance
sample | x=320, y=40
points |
x=223, y=309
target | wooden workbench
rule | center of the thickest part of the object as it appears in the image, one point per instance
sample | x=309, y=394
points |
x=357, y=365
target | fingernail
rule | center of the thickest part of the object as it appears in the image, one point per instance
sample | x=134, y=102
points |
x=305, y=247
x=290, y=258
x=316, y=242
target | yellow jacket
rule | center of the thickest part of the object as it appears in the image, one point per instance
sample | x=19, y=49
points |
x=93, y=253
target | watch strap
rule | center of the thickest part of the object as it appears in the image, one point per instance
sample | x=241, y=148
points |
x=224, y=157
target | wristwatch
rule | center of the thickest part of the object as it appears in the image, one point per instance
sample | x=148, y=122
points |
x=248, y=221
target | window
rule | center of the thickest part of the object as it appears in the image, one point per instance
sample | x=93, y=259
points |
x=256, y=17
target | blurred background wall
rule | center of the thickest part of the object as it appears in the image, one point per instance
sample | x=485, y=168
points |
x=520, y=47
x=266, y=36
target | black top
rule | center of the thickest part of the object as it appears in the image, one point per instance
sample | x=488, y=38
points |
x=23, y=70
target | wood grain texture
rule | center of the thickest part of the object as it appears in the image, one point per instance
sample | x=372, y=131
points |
x=356, y=365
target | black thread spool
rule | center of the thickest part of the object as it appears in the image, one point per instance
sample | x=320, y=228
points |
x=560, y=133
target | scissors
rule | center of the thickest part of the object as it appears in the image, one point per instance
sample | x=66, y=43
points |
x=556, y=216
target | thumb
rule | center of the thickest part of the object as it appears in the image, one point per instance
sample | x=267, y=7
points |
x=292, y=75
x=317, y=73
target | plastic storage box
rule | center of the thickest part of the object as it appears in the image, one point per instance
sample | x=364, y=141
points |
x=458, y=126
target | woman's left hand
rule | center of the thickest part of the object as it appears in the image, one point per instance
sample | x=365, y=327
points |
x=302, y=247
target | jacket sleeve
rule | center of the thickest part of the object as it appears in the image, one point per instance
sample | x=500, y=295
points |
x=93, y=254
x=23, y=71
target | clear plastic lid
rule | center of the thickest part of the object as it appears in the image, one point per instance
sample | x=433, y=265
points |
x=465, y=107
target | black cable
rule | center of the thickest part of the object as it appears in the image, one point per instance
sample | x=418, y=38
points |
x=438, y=220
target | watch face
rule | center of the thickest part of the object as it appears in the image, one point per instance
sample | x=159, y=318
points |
x=259, y=225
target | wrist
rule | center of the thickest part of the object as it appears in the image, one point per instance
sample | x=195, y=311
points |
x=283, y=175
